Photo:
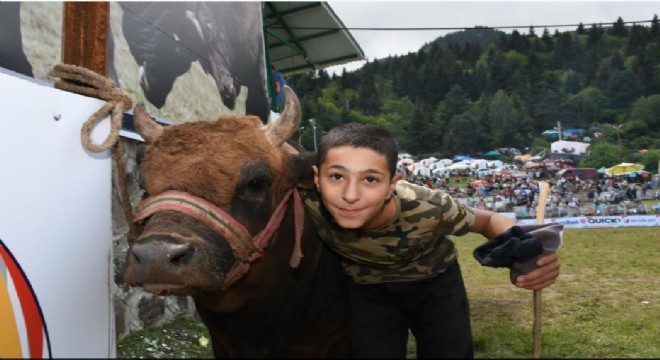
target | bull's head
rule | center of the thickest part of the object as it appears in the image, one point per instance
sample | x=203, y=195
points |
x=238, y=167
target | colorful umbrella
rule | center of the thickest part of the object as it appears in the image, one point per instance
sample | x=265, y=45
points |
x=624, y=169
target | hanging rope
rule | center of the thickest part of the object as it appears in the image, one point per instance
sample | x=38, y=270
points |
x=83, y=81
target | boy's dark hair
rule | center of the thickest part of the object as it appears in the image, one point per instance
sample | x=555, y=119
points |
x=361, y=136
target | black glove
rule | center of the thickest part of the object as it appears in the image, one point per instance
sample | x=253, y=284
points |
x=508, y=247
x=522, y=251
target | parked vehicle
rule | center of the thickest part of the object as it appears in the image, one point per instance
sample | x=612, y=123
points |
x=581, y=173
x=507, y=175
x=552, y=166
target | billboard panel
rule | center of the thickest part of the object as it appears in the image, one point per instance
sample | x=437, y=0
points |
x=190, y=60
x=185, y=60
x=55, y=226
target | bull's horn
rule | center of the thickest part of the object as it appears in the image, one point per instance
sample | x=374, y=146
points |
x=281, y=130
x=147, y=127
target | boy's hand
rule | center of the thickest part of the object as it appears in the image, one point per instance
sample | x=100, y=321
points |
x=545, y=275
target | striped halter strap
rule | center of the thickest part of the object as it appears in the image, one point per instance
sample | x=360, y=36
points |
x=245, y=247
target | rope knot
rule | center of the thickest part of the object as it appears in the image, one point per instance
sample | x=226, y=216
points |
x=117, y=96
x=83, y=81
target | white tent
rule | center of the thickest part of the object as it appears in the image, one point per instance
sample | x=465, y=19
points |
x=422, y=171
x=495, y=164
x=458, y=166
x=427, y=162
x=569, y=147
x=479, y=164
x=441, y=163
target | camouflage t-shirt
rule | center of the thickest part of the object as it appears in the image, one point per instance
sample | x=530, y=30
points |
x=414, y=245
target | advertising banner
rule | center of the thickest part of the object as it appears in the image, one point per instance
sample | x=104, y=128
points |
x=55, y=226
x=585, y=222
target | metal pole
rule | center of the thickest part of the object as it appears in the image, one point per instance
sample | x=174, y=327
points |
x=313, y=122
x=559, y=129
x=314, y=138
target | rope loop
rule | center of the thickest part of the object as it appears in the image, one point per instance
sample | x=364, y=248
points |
x=83, y=81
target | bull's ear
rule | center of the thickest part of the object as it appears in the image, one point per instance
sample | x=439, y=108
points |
x=281, y=130
x=302, y=174
x=147, y=127
x=140, y=153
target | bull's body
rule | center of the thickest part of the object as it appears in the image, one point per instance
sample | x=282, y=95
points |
x=290, y=313
x=273, y=310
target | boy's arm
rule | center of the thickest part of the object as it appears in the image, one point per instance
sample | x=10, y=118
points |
x=490, y=224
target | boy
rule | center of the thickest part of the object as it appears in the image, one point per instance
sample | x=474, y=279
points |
x=392, y=236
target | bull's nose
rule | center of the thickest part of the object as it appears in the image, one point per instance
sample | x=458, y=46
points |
x=162, y=254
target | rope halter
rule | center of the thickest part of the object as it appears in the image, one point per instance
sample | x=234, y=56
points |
x=245, y=248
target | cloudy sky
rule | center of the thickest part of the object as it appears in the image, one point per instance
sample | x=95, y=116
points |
x=457, y=14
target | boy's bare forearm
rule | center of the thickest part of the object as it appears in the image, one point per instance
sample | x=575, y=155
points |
x=490, y=224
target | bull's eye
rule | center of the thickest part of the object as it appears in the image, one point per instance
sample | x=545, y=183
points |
x=257, y=185
x=255, y=181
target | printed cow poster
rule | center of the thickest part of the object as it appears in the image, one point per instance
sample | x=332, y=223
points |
x=11, y=42
x=30, y=37
x=185, y=60
x=190, y=60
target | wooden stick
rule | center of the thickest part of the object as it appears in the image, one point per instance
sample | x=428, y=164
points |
x=538, y=305
x=544, y=188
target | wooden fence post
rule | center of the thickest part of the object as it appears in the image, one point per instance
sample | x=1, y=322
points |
x=85, y=34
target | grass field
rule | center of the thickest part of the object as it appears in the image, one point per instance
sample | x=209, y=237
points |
x=606, y=304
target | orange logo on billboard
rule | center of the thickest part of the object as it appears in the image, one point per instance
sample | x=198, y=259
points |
x=24, y=333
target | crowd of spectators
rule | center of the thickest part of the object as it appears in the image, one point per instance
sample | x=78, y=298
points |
x=567, y=197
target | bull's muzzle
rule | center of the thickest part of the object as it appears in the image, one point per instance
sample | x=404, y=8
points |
x=157, y=262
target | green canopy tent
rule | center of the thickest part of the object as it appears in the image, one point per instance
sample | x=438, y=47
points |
x=493, y=154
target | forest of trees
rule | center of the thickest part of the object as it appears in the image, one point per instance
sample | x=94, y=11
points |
x=458, y=96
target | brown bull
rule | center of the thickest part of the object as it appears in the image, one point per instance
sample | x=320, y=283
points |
x=220, y=225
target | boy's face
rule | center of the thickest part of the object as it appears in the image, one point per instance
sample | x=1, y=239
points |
x=355, y=187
